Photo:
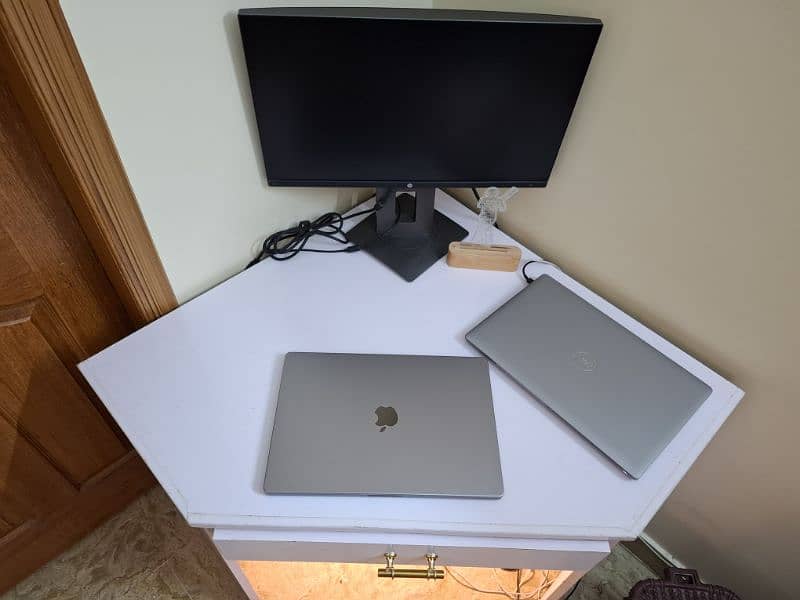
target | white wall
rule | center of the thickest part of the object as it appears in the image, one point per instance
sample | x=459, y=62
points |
x=171, y=81
x=676, y=195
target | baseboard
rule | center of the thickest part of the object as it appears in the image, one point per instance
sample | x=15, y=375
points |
x=40, y=541
x=651, y=554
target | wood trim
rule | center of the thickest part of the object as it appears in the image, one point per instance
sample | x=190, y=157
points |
x=29, y=546
x=48, y=79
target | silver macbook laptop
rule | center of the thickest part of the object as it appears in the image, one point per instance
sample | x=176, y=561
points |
x=384, y=425
x=623, y=395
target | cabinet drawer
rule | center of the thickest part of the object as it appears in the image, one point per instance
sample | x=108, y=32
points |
x=319, y=546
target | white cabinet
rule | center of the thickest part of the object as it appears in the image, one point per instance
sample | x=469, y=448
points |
x=569, y=555
x=195, y=393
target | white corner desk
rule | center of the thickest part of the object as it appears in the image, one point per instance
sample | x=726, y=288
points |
x=195, y=392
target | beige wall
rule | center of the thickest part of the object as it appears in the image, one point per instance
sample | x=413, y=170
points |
x=675, y=195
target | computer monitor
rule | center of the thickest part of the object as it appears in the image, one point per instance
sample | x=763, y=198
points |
x=408, y=100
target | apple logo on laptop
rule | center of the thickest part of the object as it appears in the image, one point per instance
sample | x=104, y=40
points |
x=387, y=417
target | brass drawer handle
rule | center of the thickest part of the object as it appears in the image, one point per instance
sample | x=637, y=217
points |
x=430, y=573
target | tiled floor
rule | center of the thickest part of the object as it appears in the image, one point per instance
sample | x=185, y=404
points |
x=148, y=552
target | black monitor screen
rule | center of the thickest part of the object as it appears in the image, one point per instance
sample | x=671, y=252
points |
x=363, y=97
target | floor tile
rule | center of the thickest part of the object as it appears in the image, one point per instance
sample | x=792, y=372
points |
x=203, y=572
x=82, y=570
x=120, y=555
x=168, y=529
x=613, y=578
x=161, y=585
x=9, y=595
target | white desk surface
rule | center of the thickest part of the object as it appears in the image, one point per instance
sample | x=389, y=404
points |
x=195, y=392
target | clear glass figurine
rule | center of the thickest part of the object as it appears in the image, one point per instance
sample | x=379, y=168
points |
x=492, y=202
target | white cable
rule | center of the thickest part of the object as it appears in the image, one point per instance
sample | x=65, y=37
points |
x=531, y=576
x=546, y=583
x=512, y=595
x=461, y=579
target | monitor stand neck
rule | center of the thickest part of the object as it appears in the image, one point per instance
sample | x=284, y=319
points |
x=404, y=213
x=406, y=233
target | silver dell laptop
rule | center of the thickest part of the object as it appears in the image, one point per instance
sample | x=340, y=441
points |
x=384, y=425
x=620, y=393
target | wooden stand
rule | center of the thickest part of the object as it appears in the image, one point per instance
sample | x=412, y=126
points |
x=465, y=255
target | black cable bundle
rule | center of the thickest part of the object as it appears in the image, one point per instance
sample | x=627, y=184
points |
x=287, y=243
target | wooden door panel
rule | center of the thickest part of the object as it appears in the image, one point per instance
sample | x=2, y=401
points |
x=49, y=239
x=64, y=465
x=50, y=408
x=5, y=528
x=38, y=395
x=21, y=292
x=30, y=486
x=19, y=288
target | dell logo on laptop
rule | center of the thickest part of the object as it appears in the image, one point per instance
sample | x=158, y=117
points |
x=583, y=361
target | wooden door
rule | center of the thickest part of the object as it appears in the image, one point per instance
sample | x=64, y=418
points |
x=64, y=466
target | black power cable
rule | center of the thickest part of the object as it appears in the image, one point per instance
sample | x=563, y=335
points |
x=530, y=279
x=287, y=243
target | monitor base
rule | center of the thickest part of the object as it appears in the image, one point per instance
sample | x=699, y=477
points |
x=406, y=233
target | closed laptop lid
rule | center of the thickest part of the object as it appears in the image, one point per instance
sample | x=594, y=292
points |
x=623, y=395
x=384, y=425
